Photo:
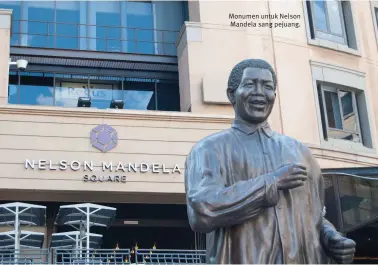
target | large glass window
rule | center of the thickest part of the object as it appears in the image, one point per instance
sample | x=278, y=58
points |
x=67, y=25
x=328, y=20
x=64, y=90
x=140, y=94
x=143, y=27
x=332, y=20
x=339, y=112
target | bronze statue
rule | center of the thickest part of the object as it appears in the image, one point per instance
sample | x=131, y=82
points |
x=258, y=194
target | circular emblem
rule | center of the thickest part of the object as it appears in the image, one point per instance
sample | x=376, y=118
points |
x=104, y=137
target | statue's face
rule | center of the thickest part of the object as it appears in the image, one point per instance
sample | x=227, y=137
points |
x=254, y=98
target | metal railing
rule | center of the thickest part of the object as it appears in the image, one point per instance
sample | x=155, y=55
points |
x=170, y=256
x=92, y=256
x=72, y=36
x=24, y=256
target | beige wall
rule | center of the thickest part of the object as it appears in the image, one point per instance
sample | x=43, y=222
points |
x=214, y=47
x=5, y=33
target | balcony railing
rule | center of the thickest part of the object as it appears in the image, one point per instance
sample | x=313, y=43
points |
x=24, y=256
x=57, y=35
x=93, y=256
x=170, y=256
x=70, y=256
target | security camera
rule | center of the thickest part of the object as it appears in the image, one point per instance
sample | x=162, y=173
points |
x=22, y=64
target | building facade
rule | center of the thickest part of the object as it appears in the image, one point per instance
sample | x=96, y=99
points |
x=164, y=66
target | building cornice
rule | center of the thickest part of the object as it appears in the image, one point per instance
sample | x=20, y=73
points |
x=116, y=114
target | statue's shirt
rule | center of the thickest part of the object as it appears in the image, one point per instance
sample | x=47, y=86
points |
x=232, y=196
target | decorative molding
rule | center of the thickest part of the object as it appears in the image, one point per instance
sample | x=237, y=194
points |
x=115, y=114
x=337, y=67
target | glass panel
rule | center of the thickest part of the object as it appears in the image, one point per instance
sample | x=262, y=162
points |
x=330, y=204
x=334, y=17
x=15, y=6
x=13, y=88
x=168, y=95
x=320, y=15
x=40, y=16
x=67, y=18
x=338, y=134
x=139, y=16
x=139, y=94
x=349, y=116
x=107, y=18
x=333, y=110
x=103, y=89
x=358, y=199
x=36, y=89
x=69, y=87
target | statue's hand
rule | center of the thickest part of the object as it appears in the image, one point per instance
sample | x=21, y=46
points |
x=290, y=176
x=341, y=249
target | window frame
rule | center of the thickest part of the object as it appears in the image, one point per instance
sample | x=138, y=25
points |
x=334, y=89
x=349, y=80
x=352, y=32
x=331, y=35
x=374, y=15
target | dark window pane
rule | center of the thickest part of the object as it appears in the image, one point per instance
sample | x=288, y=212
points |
x=349, y=116
x=36, y=89
x=320, y=15
x=13, y=88
x=139, y=94
x=168, y=95
x=333, y=110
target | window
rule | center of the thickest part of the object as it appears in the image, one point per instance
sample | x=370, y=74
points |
x=64, y=90
x=343, y=108
x=331, y=20
x=142, y=27
x=339, y=113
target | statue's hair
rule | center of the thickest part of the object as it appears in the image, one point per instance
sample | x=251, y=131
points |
x=237, y=72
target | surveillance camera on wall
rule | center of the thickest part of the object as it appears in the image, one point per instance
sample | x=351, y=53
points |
x=22, y=64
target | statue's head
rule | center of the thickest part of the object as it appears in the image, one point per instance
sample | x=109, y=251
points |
x=252, y=90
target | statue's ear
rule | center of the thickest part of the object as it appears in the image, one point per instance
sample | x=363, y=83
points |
x=231, y=95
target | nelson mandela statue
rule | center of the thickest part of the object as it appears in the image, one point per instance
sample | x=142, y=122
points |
x=258, y=194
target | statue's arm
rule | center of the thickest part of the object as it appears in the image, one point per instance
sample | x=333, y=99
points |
x=211, y=204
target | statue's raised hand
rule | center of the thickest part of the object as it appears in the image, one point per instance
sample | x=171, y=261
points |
x=290, y=176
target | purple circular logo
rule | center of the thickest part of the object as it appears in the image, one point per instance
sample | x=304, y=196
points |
x=104, y=137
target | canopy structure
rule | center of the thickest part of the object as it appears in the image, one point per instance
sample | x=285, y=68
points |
x=18, y=213
x=27, y=239
x=23, y=214
x=73, y=240
x=83, y=216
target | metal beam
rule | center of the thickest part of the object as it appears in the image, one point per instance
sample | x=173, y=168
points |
x=102, y=71
x=94, y=55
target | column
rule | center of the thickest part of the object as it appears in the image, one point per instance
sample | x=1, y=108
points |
x=124, y=44
x=24, y=24
x=5, y=34
x=83, y=25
